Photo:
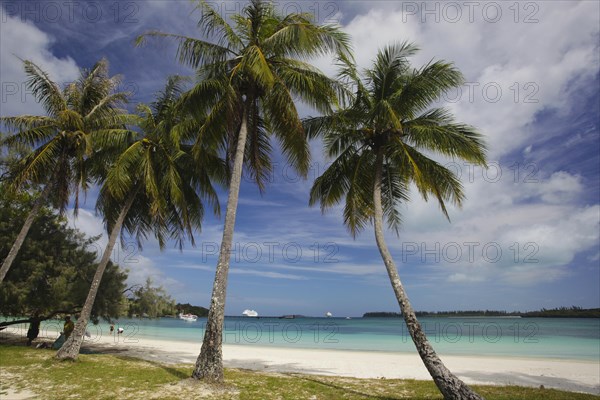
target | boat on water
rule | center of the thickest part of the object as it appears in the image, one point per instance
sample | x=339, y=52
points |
x=188, y=317
x=250, y=313
x=328, y=314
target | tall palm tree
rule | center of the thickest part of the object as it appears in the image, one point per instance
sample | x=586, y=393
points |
x=382, y=144
x=249, y=75
x=154, y=185
x=61, y=141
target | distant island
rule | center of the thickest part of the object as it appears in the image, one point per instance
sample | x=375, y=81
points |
x=187, y=308
x=561, y=312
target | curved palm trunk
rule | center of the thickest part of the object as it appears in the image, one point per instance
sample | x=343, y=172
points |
x=14, y=250
x=70, y=349
x=209, y=365
x=451, y=387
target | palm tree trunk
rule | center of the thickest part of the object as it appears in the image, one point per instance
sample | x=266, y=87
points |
x=451, y=387
x=70, y=349
x=209, y=365
x=12, y=254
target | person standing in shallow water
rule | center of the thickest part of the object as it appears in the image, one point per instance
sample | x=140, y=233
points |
x=68, y=328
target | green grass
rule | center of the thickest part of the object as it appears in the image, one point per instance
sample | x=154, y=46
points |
x=104, y=376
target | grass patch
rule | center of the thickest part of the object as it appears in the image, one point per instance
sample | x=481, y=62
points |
x=105, y=376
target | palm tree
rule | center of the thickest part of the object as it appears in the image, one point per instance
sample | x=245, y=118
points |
x=382, y=143
x=153, y=185
x=249, y=76
x=61, y=141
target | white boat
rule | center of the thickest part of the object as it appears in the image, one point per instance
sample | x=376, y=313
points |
x=250, y=313
x=188, y=317
x=328, y=314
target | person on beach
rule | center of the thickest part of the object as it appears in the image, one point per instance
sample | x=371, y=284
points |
x=112, y=329
x=34, y=330
x=68, y=327
x=120, y=330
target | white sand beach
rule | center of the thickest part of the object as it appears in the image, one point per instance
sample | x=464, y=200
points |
x=570, y=375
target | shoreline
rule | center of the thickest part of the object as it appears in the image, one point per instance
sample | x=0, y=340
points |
x=562, y=374
x=100, y=331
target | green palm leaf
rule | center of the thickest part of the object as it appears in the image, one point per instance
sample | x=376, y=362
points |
x=389, y=111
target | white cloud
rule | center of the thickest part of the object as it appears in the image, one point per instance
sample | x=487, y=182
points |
x=22, y=39
x=561, y=188
x=91, y=225
x=128, y=257
x=539, y=58
x=537, y=238
x=536, y=67
x=258, y=203
x=267, y=274
x=139, y=268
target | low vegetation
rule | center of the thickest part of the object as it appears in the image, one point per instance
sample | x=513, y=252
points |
x=36, y=373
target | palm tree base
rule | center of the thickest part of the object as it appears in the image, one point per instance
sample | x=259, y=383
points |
x=69, y=350
x=453, y=388
x=209, y=366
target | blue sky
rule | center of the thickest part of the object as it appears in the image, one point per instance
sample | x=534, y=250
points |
x=528, y=234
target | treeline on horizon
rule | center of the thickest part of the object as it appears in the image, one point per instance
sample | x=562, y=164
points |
x=560, y=312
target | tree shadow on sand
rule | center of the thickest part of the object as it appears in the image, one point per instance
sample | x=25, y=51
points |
x=170, y=370
x=356, y=392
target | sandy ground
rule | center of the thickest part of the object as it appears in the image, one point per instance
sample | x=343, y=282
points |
x=570, y=375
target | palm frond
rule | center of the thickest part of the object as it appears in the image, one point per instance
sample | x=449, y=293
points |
x=283, y=120
x=424, y=86
x=191, y=51
x=436, y=131
x=388, y=116
x=258, y=150
x=430, y=177
x=44, y=89
x=212, y=24
x=358, y=206
x=329, y=188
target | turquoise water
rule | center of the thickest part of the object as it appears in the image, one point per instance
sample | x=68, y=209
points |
x=568, y=338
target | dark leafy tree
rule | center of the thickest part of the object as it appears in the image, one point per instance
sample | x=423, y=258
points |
x=151, y=302
x=53, y=269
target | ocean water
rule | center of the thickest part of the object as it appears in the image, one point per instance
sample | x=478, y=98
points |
x=559, y=338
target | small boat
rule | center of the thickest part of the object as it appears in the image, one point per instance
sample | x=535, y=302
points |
x=188, y=317
x=250, y=313
x=328, y=314
x=348, y=318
